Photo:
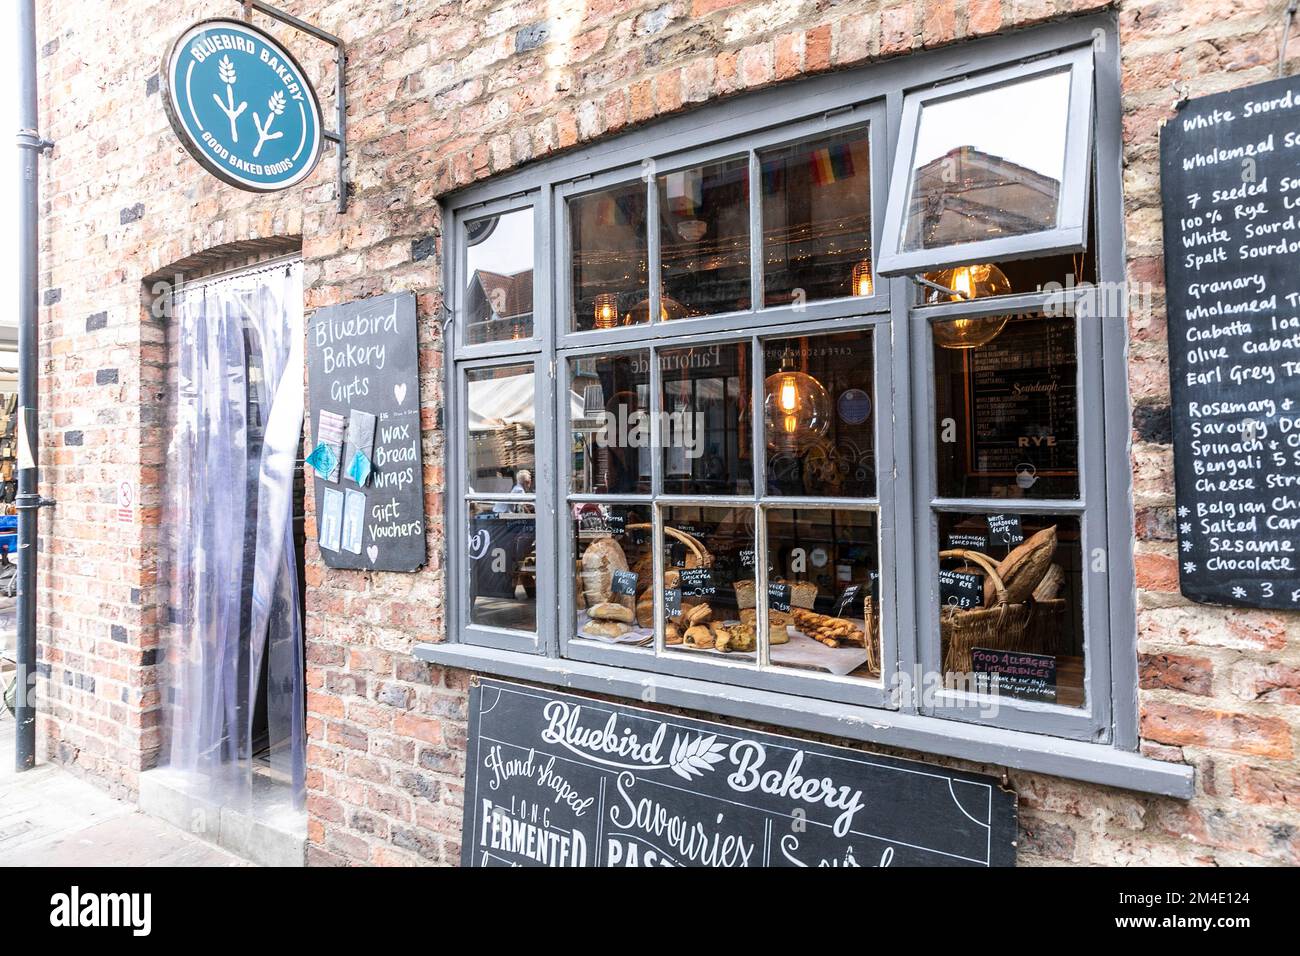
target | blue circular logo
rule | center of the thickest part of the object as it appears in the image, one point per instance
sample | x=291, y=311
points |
x=242, y=105
x=854, y=406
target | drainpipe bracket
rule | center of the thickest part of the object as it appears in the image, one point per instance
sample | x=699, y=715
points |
x=33, y=502
x=31, y=139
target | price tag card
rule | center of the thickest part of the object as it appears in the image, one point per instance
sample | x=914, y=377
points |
x=1005, y=529
x=624, y=582
x=697, y=582
x=672, y=601
x=847, y=598
x=960, y=589
x=968, y=542
x=778, y=597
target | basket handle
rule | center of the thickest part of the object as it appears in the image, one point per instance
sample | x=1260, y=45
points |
x=706, y=559
x=985, y=562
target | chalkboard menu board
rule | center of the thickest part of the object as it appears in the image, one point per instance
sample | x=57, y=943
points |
x=559, y=780
x=1230, y=184
x=1022, y=401
x=362, y=370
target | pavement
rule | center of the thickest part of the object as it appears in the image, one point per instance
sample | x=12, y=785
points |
x=48, y=817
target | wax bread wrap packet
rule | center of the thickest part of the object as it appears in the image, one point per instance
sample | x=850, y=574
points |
x=358, y=452
x=327, y=455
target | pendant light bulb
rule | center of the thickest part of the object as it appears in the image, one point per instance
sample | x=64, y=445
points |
x=796, y=408
x=966, y=283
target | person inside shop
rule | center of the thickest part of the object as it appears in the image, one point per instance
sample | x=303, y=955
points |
x=523, y=484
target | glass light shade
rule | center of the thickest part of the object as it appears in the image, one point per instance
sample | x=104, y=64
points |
x=605, y=312
x=967, y=283
x=796, y=409
x=862, y=282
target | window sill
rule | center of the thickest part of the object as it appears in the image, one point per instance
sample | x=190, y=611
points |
x=1074, y=760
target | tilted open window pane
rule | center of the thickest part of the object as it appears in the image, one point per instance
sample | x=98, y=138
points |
x=996, y=166
x=499, y=277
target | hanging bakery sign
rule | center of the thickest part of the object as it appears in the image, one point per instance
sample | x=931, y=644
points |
x=555, y=779
x=242, y=105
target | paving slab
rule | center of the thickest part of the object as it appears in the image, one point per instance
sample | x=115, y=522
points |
x=48, y=817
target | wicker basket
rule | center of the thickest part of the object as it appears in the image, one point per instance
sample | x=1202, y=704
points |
x=1034, y=626
x=872, y=642
x=703, y=559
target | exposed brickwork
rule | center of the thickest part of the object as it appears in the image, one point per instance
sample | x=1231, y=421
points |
x=445, y=94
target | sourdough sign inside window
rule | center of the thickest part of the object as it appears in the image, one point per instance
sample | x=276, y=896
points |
x=806, y=419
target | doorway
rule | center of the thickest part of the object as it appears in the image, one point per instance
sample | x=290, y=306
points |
x=232, y=538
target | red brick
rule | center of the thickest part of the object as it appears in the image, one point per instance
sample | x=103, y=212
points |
x=1216, y=729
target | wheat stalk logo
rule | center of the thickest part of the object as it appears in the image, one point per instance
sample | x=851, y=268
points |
x=276, y=106
x=691, y=758
x=226, y=71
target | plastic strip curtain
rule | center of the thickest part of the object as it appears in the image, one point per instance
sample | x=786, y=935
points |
x=233, y=643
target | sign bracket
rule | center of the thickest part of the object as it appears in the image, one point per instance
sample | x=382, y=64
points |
x=339, y=135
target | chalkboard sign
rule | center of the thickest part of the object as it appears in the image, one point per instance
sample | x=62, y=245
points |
x=1230, y=185
x=362, y=370
x=1015, y=673
x=960, y=589
x=559, y=780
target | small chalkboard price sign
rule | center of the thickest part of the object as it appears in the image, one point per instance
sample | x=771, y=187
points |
x=364, y=453
x=559, y=780
x=1230, y=186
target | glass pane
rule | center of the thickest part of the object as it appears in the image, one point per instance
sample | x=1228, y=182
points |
x=499, y=271
x=823, y=574
x=708, y=577
x=989, y=164
x=705, y=421
x=1027, y=638
x=502, y=565
x=609, y=411
x=613, y=575
x=704, y=240
x=817, y=220
x=610, y=268
x=501, y=430
x=1007, y=410
x=819, y=415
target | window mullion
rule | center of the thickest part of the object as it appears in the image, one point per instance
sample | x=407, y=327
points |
x=755, y=231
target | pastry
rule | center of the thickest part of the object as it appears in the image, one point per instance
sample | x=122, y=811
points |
x=606, y=629
x=831, y=631
x=699, y=614
x=672, y=634
x=609, y=611
x=699, y=636
x=733, y=637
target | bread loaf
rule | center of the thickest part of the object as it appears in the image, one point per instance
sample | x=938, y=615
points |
x=1023, y=569
x=599, y=562
x=610, y=611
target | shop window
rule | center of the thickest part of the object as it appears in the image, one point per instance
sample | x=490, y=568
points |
x=704, y=240
x=817, y=220
x=609, y=258
x=499, y=269
x=776, y=445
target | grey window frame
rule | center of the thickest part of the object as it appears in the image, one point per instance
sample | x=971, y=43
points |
x=1070, y=234
x=1105, y=749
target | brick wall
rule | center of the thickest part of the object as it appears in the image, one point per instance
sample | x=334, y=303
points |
x=444, y=94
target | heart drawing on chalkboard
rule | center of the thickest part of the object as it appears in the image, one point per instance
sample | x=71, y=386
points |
x=399, y=392
x=372, y=553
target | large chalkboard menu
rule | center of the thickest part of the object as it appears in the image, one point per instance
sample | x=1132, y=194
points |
x=364, y=420
x=559, y=780
x=1230, y=168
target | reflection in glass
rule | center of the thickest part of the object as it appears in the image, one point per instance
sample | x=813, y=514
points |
x=704, y=239
x=1014, y=402
x=610, y=267
x=1011, y=605
x=705, y=420
x=502, y=565
x=502, y=424
x=614, y=573
x=817, y=220
x=609, y=409
x=499, y=269
x=820, y=415
x=708, y=580
x=989, y=164
x=823, y=573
